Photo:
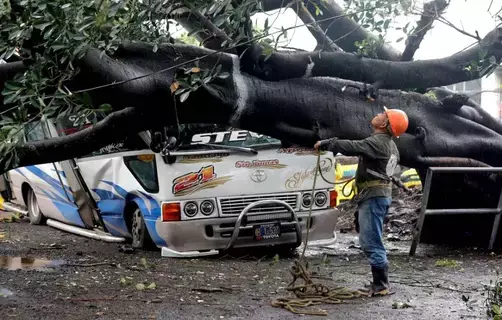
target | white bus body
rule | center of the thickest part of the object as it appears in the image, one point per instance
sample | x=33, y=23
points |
x=206, y=199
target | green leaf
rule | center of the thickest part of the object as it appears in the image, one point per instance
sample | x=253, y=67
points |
x=13, y=85
x=86, y=98
x=496, y=310
x=143, y=262
x=106, y=107
x=58, y=47
x=152, y=286
x=140, y=286
x=42, y=26
x=184, y=96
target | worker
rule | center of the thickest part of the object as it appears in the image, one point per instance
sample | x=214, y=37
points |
x=378, y=158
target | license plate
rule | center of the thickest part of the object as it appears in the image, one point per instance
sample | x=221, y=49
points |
x=267, y=231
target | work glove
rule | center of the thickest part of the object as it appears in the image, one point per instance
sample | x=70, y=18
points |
x=323, y=144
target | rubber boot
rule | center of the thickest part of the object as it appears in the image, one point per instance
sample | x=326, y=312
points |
x=380, y=285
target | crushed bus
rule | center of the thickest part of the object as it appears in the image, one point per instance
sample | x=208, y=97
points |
x=215, y=191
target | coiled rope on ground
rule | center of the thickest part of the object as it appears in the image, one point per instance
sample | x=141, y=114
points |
x=308, y=293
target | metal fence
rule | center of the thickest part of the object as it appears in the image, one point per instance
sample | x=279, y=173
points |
x=428, y=212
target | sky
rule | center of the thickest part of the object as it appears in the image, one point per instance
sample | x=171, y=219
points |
x=441, y=41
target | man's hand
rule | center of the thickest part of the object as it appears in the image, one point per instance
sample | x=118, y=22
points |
x=317, y=145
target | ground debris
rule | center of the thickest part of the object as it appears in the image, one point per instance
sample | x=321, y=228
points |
x=401, y=305
x=208, y=290
x=400, y=220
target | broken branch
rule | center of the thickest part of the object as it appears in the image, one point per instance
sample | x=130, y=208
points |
x=343, y=28
x=323, y=40
x=431, y=11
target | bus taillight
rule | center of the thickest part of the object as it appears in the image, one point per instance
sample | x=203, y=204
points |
x=333, y=195
x=171, y=211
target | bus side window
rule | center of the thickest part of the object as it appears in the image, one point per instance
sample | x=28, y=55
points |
x=144, y=169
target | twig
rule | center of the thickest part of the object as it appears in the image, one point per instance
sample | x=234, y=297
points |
x=432, y=286
x=93, y=299
x=112, y=264
x=448, y=23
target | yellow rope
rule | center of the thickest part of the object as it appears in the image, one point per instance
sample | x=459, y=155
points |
x=308, y=293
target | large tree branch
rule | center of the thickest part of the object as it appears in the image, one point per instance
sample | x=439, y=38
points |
x=323, y=40
x=8, y=71
x=296, y=110
x=344, y=31
x=113, y=128
x=205, y=31
x=388, y=74
x=431, y=11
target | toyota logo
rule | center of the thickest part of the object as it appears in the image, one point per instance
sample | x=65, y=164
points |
x=258, y=176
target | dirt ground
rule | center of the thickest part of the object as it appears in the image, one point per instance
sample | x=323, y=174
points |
x=240, y=286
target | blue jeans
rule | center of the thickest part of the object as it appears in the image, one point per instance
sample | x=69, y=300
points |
x=371, y=215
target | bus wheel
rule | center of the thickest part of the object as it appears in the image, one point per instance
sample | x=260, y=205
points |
x=36, y=216
x=140, y=236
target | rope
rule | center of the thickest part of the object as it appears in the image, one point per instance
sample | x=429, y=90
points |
x=308, y=293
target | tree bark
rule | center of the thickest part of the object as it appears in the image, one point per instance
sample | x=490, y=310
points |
x=300, y=111
x=389, y=74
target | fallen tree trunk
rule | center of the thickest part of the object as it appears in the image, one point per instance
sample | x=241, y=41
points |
x=295, y=110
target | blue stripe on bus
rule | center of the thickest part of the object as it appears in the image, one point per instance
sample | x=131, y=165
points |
x=51, y=181
x=121, y=191
x=69, y=212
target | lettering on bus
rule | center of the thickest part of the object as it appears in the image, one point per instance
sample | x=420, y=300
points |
x=214, y=157
x=195, y=181
x=219, y=137
x=272, y=164
x=298, y=178
x=299, y=151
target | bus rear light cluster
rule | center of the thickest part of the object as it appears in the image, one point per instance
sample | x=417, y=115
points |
x=320, y=199
x=190, y=209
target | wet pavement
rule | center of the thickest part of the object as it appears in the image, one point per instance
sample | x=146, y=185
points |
x=27, y=263
x=57, y=273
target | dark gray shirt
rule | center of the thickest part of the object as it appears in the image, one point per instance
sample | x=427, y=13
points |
x=377, y=152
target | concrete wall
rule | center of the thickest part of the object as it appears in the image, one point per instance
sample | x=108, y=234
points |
x=485, y=91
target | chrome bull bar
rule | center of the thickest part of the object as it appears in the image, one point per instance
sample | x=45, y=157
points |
x=238, y=223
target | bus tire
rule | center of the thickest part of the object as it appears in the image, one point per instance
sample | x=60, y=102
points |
x=34, y=213
x=140, y=237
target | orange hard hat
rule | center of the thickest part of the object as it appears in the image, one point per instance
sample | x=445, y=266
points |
x=398, y=121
